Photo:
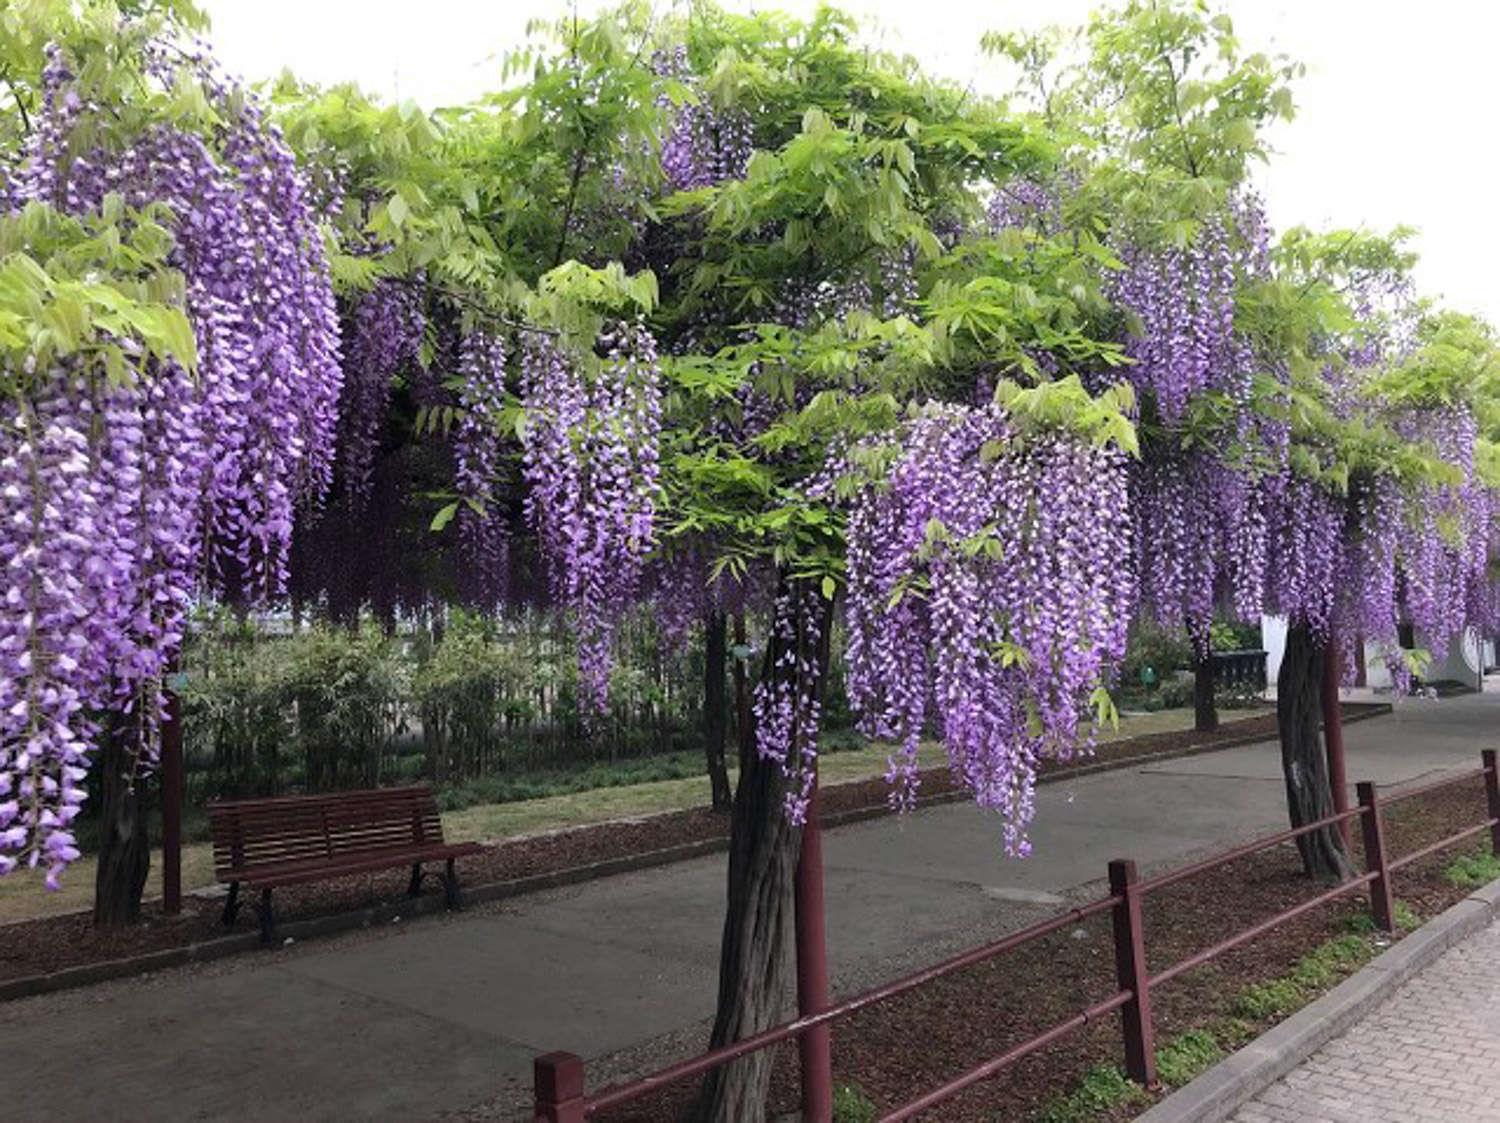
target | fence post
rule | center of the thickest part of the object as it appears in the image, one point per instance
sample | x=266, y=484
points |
x=1382, y=903
x=557, y=1082
x=1132, y=974
x=1492, y=791
x=815, y=1046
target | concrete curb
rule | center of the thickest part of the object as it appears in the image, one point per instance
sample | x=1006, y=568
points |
x=298, y=930
x=1233, y=1082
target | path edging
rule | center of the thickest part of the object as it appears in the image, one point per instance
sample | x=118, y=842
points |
x=1233, y=1082
x=205, y=951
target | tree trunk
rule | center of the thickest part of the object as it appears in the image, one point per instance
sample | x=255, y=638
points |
x=1205, y=714
x=716, y=707
x=1298, y=714
x=124, y=850
x=754, y=969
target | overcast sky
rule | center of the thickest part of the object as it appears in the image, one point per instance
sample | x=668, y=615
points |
x=1396, y=116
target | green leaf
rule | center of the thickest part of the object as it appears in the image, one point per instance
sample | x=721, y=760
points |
x=444, y=516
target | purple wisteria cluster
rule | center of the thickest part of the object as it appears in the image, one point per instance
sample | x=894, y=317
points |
x=989, y=592
x=119, y=495
x=590, y=461
x=1306, y=552
x=1200, y=536
x=1019, y=204
x=1443, y=559
x=1202, y=515
x=484, y=535
x=1182, y=301
x=383, y=336
x=788, y=707
x=704, y=145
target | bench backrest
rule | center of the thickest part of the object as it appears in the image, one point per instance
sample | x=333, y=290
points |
x=248, y=833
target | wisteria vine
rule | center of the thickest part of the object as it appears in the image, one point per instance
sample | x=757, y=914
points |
x=121, y=494
x=590, y=462
x=989, y=591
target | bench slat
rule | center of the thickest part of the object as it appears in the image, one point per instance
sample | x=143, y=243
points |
x=296, y=873
x=322, y=835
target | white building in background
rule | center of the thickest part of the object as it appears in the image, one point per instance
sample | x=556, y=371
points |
x=1465, y=661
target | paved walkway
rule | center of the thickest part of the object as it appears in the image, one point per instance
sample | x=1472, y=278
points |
x=1429, y=1055
x=415, y=1020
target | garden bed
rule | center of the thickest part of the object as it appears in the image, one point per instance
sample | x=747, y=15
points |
x=899, y=1049
x=33, y=948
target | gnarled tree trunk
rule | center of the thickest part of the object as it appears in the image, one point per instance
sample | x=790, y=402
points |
x=716, y=707
x=124, y=850
x=1298, y=718
x=1205, y=713
x=755, y=973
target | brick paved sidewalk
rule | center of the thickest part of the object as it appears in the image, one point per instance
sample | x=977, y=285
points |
x=1431, y=1054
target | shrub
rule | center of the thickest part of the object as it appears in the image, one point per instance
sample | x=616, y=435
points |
x=346, y=686
x=1103, y=1088
x=1470, y=871
x=851, y=1105
x=1186, y=1056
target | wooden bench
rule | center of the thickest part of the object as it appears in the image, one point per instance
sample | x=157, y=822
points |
x=290, y=840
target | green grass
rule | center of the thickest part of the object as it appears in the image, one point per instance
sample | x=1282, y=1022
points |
x=1470, y=871
x=1106, y=1087
x=1184, y=1057
x=1405, y=916
x=851, y=1105
x=1103, y=1088
x=1314, y=973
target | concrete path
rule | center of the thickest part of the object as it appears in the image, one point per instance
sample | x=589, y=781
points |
x=1429, y=1055
x=414, y=1021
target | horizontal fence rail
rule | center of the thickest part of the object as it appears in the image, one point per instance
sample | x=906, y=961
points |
x=559, y=1077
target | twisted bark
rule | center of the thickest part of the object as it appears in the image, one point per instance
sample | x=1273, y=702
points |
x=1304, y=765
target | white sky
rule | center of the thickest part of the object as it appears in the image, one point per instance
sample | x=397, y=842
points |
x=1395, y=121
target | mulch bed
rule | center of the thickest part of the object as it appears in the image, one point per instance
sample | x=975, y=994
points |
x=902, y=1048
x=51, y=944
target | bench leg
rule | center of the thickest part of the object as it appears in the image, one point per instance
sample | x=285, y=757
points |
x=232, y=904
x=267, y=917
x=415, y=887
x=453, y=895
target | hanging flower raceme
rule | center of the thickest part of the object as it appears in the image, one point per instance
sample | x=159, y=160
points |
x=1182, y=301
x=989, y=593
x=384, y=335
x=1021, y=203
x=704, y=145
x=1200, y=541
x=1306, y=552
x=788, y=698
x=120, y=490
x=1444, y=551
x=591, y=469
x=483, y=533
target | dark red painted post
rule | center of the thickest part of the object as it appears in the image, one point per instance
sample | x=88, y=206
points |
x=171, y=806
x=816, y=1045
x=557, y=1081
x=1132, y=974
x=1382, y=901
x=1333, y=732
x=1492, y=791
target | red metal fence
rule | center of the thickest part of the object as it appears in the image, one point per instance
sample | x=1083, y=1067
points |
x=559, y=1077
